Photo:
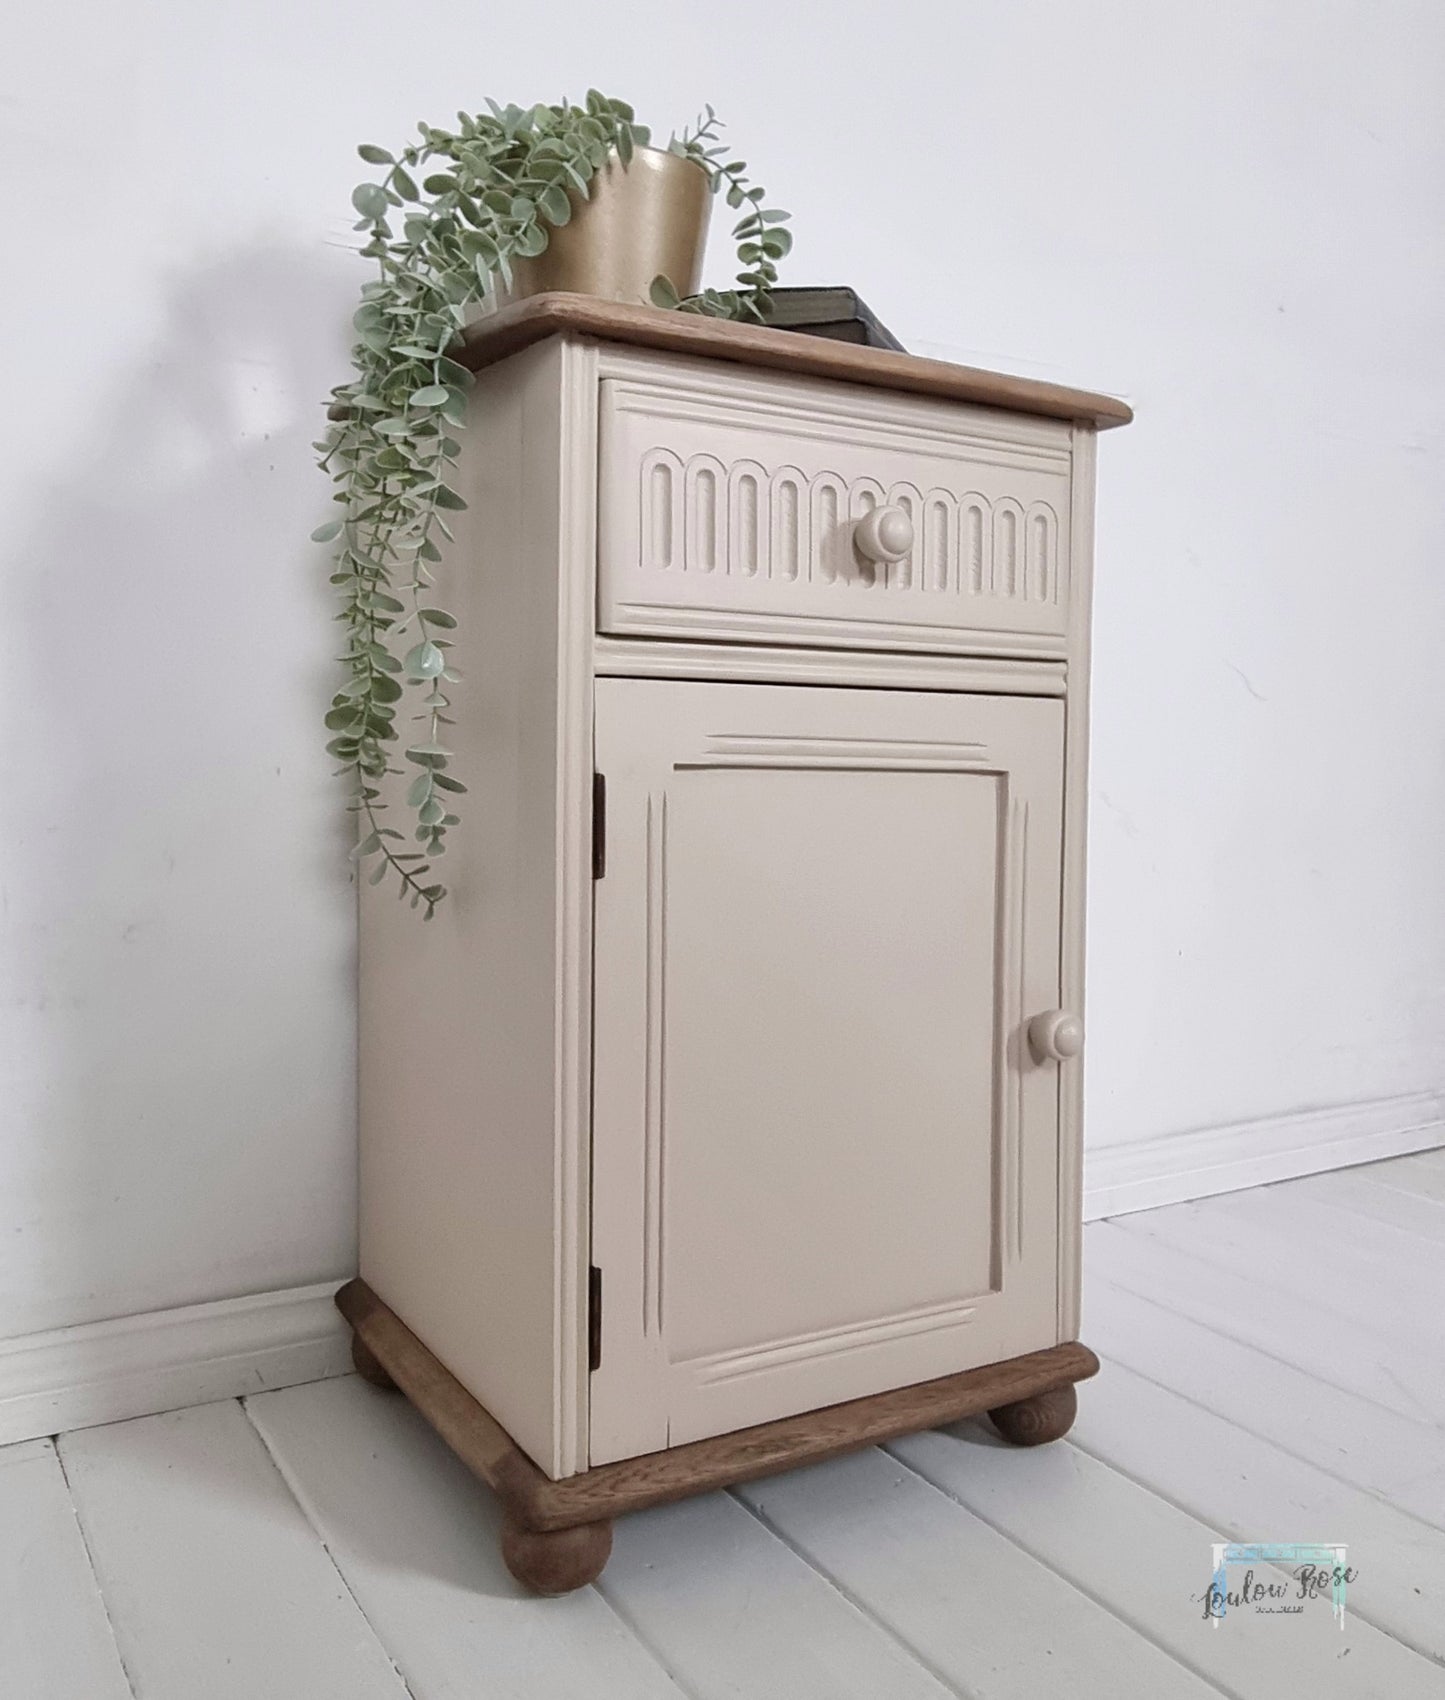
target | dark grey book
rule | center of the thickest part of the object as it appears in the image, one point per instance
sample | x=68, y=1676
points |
x=837, y=312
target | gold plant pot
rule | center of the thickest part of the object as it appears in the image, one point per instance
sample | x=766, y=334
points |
x=639, y=220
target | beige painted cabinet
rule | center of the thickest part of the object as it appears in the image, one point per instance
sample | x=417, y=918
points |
x=729, y=1113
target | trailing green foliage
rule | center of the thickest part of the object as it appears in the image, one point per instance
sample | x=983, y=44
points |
x=449, y=215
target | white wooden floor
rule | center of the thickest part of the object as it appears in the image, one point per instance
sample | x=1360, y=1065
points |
x=1274, y=1371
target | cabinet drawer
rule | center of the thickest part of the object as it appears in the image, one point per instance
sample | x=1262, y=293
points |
x=729, y=506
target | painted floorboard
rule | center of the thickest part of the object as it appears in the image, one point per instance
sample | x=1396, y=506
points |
x=1339, y=1263
x=1328, y=1253
x=216, y=1584
x=1251, y=1490
x=990, y=1619
x=1337, y=1351
x=1423, y=1173
x=55, y=1638
x=1150, y=1564
x=734, y=1612
x=415, y=1536
x=1356, y=1190
x=1395, y=1457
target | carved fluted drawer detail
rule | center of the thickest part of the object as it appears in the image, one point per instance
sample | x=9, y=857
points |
x=750, y=521
x=731, y=508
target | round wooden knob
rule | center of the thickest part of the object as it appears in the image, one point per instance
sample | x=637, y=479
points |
x=1055, y=1036
x=884, y=534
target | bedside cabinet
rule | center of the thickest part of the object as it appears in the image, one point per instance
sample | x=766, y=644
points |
x=727, y=1115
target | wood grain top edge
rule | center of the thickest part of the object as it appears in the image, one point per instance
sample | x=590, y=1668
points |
x=633, y=1484
x=537, y=317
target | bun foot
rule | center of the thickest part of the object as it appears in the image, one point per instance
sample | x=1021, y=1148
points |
x=367, y=1365
x=559, y=1560
x=1034, y=1422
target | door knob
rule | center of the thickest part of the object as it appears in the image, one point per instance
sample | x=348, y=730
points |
x=883, y=534
x=1055, y=1036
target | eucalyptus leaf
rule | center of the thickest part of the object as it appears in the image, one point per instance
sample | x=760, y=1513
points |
x=455, y=373
x=425, y=661
x=556, y=204
x=370, y=200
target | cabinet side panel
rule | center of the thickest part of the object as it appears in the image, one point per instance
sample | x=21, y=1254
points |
x=1076, y=811
x=464, y=1156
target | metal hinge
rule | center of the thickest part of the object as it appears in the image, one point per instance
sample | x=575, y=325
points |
x=599, y=826
x=594, y=1318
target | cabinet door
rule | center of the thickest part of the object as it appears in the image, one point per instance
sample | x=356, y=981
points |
x=824, y=1160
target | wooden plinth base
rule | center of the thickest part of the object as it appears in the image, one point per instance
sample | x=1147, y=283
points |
x=557, y=1535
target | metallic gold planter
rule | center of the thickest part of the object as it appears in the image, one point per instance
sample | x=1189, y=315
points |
x=640, y=219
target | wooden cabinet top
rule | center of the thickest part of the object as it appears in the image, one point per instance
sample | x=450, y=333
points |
x=540, y=316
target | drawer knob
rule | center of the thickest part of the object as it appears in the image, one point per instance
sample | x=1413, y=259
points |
x=884, y=534
x=1055, y=1036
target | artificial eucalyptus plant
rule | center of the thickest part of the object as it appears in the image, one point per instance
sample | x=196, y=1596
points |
x=443, y=224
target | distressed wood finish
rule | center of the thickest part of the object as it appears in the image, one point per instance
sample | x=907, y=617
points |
x=542, y=1505
x=555, y=1561
x=368, y=1366
x=1037, y=1420
x=493, y=338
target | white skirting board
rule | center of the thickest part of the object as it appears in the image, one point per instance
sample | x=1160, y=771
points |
x=1150, y=1172
x=104, y=1372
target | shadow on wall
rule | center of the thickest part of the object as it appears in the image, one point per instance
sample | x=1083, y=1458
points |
x=178, y=946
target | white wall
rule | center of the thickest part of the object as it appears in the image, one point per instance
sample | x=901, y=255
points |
x=1228, y=212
